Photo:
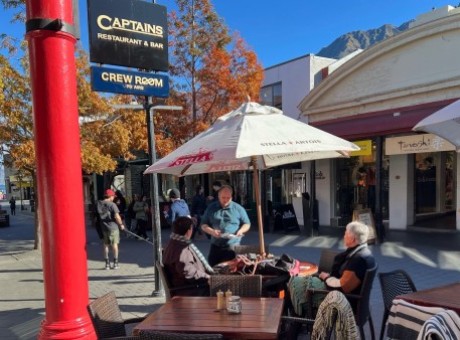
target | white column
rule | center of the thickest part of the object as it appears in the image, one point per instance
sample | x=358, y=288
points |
x=401, y=195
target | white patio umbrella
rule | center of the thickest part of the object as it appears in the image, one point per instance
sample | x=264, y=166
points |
x=253, y=137
x=444, y=123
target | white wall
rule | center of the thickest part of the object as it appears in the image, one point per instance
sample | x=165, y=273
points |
x=401, y=195
x=297, y=79
x=324, y=181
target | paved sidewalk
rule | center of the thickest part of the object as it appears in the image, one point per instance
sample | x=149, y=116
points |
x=430, y=258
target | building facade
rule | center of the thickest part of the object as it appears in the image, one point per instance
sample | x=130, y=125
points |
x=375, y=99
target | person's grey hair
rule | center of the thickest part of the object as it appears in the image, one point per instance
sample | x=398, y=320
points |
x=228, y=187
x=359, y=230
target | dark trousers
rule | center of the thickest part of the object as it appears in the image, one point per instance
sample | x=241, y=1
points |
x=142, y=228
x=220, y=254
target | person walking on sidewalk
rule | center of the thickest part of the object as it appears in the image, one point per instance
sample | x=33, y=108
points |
x=179, y=207
x=111, y=226
x=13, y=205
x=141, y=209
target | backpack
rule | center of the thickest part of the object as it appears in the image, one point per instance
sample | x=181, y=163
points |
x=103, y=212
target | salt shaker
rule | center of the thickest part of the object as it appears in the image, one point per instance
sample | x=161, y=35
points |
x=234, y=305
x=220, y=300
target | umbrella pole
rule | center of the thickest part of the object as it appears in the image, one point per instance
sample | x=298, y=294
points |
x=255, y=172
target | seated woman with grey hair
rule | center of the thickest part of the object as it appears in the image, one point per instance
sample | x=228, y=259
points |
x=347, y=272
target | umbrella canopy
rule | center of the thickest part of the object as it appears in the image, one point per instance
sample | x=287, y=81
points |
x=254, y=137
x=444, y=123
x=251, y=130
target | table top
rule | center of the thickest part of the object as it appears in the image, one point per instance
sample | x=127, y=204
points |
x=307, y=268
x=447, y=296
x=259, y=319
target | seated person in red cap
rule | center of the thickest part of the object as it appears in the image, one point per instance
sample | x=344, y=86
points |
x=111, y=224
x=185, y=265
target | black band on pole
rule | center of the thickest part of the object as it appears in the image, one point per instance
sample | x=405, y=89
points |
x=56, y=25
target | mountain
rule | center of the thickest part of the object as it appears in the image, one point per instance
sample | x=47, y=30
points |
x=350, y=42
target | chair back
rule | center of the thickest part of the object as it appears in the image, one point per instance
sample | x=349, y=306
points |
x=164, y=280
x=335, y=314
x=106, y=316
x=326, y=260
x=362, y=306
x=394, y=283
x=159, y=335
x=241, y=285
x=248, y=249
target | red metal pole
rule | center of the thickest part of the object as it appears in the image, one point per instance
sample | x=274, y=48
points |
x=59, y=178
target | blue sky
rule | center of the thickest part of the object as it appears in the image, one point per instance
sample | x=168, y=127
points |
x=282, y=30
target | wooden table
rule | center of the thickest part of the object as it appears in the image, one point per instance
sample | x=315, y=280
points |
x=447, y=296
x=307, y=268
x=259, y=319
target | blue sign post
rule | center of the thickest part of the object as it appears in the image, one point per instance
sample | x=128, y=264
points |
x=105, y=79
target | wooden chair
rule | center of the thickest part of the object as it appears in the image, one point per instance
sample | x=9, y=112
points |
x=241, y=285
x=242, y=249
x=360, y=302
x=394, y=283
x=159, y=335
x=107, y=319
x=171, y=291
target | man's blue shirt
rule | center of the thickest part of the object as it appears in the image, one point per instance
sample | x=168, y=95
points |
x=227, y=220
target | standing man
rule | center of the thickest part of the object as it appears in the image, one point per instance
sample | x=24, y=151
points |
x=111, y=224
x=226, y=222
x=13, y=205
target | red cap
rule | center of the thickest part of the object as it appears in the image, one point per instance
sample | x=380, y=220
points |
x=109, y=193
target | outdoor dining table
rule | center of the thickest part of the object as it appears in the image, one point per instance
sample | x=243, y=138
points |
x=447, y=296
x=307, y=268
x=259, y=318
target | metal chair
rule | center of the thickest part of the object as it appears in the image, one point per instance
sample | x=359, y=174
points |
x=241, y=285
x=359, y=302
x=107, y=319
x=159, y=335
x=393, y=283
x=248, y=249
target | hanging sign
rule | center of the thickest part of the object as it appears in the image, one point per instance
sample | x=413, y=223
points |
x=416, y=144
x=105, y=79
x=128, y=33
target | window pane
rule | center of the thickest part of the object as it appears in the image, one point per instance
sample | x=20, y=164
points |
x=266, y=97
x=277, y=96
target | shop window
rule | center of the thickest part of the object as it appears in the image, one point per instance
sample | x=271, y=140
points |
x=272, y=95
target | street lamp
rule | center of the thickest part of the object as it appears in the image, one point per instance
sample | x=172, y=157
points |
x=156, y=225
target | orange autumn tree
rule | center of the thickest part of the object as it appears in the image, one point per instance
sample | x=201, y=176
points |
x=211, y=71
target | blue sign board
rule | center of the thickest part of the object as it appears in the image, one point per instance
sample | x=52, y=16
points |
x=105, y=79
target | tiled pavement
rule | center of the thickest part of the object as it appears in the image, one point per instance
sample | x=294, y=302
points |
x=430, y=258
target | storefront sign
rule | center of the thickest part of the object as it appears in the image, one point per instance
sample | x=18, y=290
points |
x=365, y=146
x=416, y=144
x=106, y=79
x=365, y=216
x=128, y=33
